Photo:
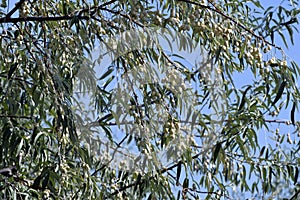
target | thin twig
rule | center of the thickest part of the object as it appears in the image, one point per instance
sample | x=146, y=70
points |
x=17, y=79
x=15, y=116
x=96, y=123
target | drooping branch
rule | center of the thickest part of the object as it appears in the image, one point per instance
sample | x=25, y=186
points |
x=161, y=171
x=78, y=15
x=255, y=160
x=99, y=123
x=216, y=10
x=40, y=19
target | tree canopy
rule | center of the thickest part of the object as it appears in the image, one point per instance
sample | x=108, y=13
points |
x=144, y=100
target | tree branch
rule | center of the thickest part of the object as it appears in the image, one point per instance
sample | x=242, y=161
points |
x=161, y=171
x=8, y=19
x=123, y=123
x=40, y=19
x=15, y=116
x=216, y=10
x=17, y=79
x=17, y=6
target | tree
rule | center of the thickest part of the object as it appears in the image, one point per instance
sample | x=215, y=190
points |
x=148, y=124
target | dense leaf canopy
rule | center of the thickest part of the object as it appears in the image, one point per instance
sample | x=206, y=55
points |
x=98, y=100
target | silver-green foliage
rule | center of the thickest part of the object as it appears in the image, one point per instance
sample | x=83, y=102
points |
x=147, y=99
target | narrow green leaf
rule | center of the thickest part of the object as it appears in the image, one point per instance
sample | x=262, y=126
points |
x=251, y=170
x=244, y=172
x=12, y=69
x=216, y=151
x=257, y=4
x=178, y=173
x=268, y=9
x=293, y=113
x=218, y=54
x=109, y=71
x=270, y=174
x=262, y=151
x=137, y=182
x=280, y=92
x=106, y=118
x=107, y=132
x=267, y=154
x=244, y=98
x=254, y=187
x=290, y=30
x=264, y=173
x=296, y=175
x=36, y=182
x=108, y=81
x=45, y=180
x=272, y=36
x=178, y=195
x=185, y=183
x=289, y=170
